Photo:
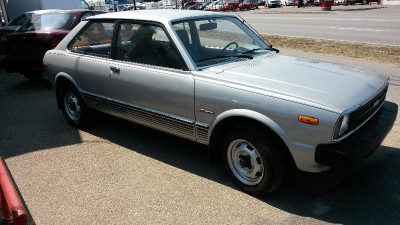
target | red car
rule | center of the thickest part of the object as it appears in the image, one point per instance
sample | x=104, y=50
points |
x=248, y=4
x=24, y=49
x=231, y=5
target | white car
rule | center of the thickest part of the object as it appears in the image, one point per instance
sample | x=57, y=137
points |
x=289, y=2
x=208, y=77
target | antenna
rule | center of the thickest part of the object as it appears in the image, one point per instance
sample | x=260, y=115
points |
x=244, y=22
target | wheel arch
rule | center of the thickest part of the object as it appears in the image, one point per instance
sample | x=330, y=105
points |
x=230, y=119
x=61, y=80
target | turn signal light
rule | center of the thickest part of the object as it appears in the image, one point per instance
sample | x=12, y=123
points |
x=308, y=120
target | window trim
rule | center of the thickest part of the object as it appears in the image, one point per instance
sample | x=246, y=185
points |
x=116, y=30
x=151, y=23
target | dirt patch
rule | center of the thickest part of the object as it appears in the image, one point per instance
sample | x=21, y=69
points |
x=379, y=53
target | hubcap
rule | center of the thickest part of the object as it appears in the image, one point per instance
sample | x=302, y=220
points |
x=72, y=106
x=245, y=162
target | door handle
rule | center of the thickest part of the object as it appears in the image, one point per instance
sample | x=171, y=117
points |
x=115, y=69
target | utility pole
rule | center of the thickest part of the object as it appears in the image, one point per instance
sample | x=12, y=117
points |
x=3, y=12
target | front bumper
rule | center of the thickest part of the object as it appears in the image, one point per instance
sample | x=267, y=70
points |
x=360, y=144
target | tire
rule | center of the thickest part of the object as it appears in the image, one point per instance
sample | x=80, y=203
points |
x=253, y=160
x=74, y=108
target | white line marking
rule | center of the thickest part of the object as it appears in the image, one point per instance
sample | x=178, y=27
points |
x=357, y=29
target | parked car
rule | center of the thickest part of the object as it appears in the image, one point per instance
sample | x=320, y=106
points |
x=317, y=2
x=273, y=3
x=214, y=6
x=208, y=77
x=248, y=4
x=289, y=2
x=261, y=2
x=15, y=8
x=231, y=5
x=15, y=23
x=24, y=49
x=188, y=5
x=203, y=5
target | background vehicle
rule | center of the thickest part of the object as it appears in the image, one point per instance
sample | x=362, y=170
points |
x=16, y=23
x=289, y=2
x=203, y=5
x=261, y=2
x=248, y=4
x=231, y=4
x=17, y=7
x=273, y=3
x=317, y=2
x=214, y=6
x=24, y=49
x=187, y=5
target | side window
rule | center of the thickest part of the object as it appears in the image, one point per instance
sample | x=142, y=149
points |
x=147, y=44
x=95, y=39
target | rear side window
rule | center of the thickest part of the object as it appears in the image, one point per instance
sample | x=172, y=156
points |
x=94, y=39
x=48, y=22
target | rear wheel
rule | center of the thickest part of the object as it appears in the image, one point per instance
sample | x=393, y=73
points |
x=253, y=160
x=74, y=108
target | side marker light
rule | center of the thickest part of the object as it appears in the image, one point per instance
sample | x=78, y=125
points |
x=308, y=120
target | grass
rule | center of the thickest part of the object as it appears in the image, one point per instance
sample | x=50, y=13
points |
x=372, y=52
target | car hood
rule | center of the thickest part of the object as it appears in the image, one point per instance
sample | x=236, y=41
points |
x=325, y=84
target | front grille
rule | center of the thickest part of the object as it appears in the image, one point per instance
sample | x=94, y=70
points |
x=362, y=114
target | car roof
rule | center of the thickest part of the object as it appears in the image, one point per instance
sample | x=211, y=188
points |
x=160, y=15
x=45, y=11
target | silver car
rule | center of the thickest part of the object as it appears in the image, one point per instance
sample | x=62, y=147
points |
x=209, y=78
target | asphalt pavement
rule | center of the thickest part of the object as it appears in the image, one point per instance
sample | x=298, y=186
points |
x=378, y=24
x=117, y=172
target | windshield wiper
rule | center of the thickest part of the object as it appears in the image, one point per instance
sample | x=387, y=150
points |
x=225, y=57
x=253, y=50
x=256, y=49
x=274, y=49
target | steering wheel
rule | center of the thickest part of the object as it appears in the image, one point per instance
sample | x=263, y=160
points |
x=226, y=47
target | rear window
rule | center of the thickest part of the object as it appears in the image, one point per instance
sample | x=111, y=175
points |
x=48, y=22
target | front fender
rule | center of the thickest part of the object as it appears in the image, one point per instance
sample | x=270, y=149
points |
x=252, y=115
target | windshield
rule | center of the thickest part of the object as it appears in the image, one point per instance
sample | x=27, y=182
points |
x=219, y=40
x=20, y=20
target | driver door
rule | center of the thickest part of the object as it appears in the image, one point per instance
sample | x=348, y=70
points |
x=159, y=96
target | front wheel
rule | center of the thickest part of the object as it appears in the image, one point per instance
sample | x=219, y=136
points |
x=253, y=160
x=74, y=108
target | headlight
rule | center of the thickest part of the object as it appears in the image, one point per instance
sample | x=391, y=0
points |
x=342, y=126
